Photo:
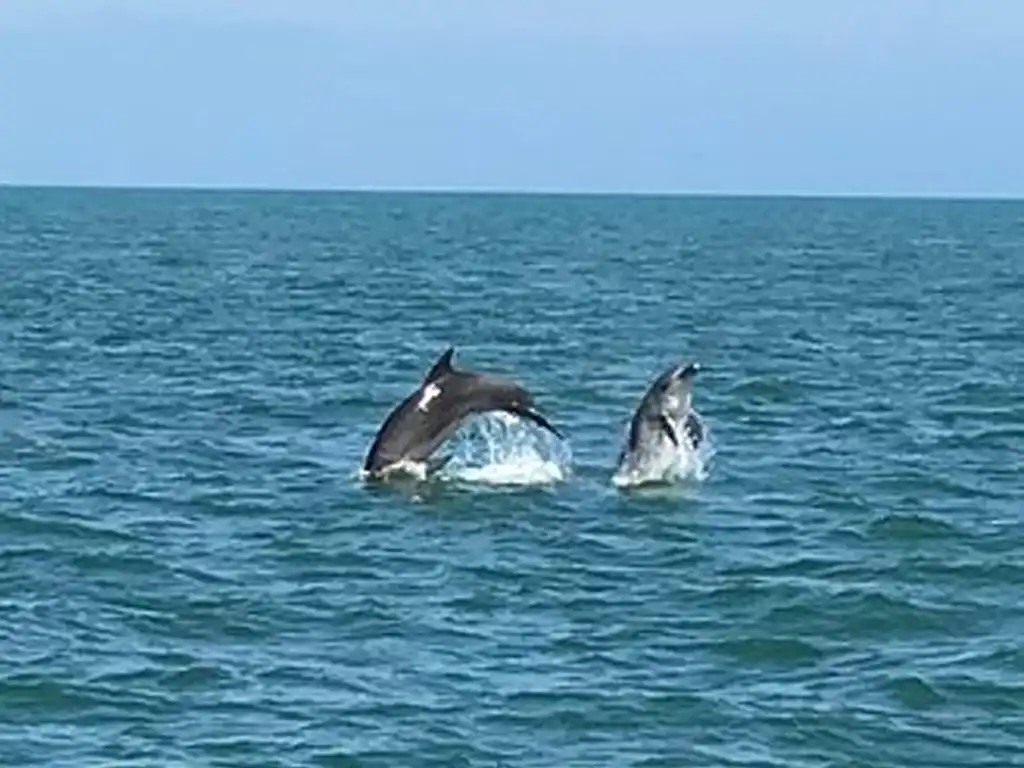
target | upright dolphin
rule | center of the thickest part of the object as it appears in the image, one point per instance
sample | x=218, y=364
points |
x=662, y=421
x=446, y=397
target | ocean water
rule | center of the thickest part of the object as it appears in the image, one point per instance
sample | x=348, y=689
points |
x=192, y=573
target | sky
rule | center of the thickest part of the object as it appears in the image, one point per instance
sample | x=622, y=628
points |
x=849, y=97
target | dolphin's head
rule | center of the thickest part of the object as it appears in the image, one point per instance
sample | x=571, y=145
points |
x=502, y=394
x=673, y=389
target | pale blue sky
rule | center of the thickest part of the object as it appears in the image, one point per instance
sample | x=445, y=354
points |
x=747, y=96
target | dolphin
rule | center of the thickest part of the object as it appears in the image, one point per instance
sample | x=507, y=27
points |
x=661, y=423
x=445, y=398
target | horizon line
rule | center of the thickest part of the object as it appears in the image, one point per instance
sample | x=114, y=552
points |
x=510, y=191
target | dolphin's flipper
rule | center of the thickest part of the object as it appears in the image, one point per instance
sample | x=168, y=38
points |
x=536, y=418
x=694, y=429
x=435, y=465
x=668, y=429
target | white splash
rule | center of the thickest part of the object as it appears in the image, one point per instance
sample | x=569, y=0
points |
x=497, y=448
x=406, y=469
x=670, y=466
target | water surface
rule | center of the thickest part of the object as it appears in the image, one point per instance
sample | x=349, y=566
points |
x=190, y=574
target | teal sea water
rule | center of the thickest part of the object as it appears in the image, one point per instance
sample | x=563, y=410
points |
x=192, y=574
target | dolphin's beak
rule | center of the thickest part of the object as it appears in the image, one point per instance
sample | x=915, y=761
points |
x=689, y=371
x=536, y=418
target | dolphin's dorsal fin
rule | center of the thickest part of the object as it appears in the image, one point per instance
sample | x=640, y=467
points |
x=442, y=366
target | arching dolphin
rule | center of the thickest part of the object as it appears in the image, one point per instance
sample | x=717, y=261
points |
x=423, y=421
x=662, y=421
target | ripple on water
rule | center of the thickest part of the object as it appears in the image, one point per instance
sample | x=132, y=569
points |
x=191, y=573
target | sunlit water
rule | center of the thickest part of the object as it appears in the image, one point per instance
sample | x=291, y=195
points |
x=193, y=573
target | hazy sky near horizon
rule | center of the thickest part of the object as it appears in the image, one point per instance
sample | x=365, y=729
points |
x=789, y=96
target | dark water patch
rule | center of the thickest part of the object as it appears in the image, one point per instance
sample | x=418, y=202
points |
x=914, y=693
x=912, y=528
x=771, y=651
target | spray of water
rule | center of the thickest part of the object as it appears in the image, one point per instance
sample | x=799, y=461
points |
x=497, y=448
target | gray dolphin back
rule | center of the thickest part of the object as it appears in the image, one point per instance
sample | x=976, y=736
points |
x=433, y=413
x=411, y=432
